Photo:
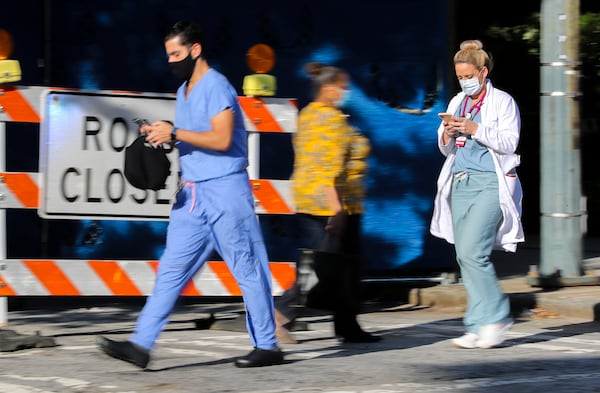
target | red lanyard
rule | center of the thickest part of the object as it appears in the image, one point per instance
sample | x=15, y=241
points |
x=477, y=106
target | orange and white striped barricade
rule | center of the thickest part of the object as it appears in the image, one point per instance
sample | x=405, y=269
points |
x=37, y=277
x=19, y=190
x=42, y=277
x=20, y=103
x=266, y=114
x=275, y=115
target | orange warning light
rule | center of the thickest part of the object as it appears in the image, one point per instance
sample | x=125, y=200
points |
x=6, y=44
x=260, y=58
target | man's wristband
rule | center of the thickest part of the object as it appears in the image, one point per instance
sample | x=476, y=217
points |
x=174, y=134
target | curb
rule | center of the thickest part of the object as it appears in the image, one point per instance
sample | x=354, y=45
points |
x=573, y=302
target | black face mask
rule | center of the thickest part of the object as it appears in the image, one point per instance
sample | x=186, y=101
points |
x=183, y=69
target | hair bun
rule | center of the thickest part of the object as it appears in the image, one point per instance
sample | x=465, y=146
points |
x=471, y=45
x=313, y=68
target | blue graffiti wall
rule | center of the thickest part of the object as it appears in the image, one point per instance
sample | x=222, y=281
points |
x=397, y=53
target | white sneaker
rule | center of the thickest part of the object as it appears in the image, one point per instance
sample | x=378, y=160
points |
x=492, y=336
x=466, y=341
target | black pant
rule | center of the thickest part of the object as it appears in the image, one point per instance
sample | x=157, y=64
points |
x=338, y=263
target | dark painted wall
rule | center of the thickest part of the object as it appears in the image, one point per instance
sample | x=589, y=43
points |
x=398, y=54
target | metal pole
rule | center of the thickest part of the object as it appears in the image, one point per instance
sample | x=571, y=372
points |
x=560, y=196
x=3, y=253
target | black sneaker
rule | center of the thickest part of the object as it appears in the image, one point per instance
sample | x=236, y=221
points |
x=125, y=350
x=260, y=358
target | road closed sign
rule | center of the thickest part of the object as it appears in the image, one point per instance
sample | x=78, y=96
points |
x=82, y=155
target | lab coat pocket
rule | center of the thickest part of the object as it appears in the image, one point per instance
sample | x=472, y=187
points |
x=514, y=188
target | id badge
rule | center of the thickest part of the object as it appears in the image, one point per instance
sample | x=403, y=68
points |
x=460, y=141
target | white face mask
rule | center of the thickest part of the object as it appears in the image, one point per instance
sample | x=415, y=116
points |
x=471, y=86
x=344, y=98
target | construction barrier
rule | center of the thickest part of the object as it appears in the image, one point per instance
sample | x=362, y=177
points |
x=269, y=114
x=120, y=278
x=43, y=277
x=19, y=190
x=20, y=104
x=22, y=190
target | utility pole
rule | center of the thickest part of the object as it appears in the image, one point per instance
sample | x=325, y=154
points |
x=562, y=207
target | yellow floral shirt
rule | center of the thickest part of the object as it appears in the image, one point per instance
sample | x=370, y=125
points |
x=328, y=152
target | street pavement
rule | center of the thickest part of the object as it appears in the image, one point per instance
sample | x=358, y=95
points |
x=553, y=346
x=541, y=354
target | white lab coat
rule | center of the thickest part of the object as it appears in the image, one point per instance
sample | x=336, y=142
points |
x=499, y=130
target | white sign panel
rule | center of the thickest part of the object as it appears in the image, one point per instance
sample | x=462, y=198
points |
x=82, y=155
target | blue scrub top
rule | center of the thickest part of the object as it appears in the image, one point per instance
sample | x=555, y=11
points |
x=473, y=156
x=210, y=96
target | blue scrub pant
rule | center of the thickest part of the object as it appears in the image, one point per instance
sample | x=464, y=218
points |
x=213, y=215
x=476, y=216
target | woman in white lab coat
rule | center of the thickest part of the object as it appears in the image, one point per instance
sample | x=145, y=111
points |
x=478, y=203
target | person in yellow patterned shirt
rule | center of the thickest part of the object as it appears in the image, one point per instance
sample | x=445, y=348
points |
x=327, y=179
x=328, y=190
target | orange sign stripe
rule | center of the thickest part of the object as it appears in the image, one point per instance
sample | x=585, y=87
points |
x=189, y=289
x=115, y=278
x=23, y=188
x=269, y=197
x=5, y=289
x=53, y=279
x=294, y=102
x=226, y=278
x=284, y=274
x=258, y=113
x=17, y=107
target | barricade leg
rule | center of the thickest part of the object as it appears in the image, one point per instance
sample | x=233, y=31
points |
x=3, y=253
x=3, y=312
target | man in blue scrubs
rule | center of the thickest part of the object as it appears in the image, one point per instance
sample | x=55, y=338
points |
x=214, y=209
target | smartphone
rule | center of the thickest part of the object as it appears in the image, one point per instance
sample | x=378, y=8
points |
x=140, y=122
x=445, y=116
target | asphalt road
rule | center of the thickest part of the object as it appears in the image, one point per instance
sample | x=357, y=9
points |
x=543, y=353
